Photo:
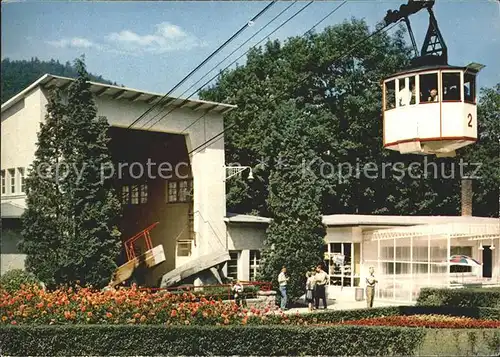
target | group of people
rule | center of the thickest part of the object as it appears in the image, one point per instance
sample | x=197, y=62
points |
x=406, y=97
x=315, y=289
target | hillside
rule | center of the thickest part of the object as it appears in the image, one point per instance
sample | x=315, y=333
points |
x=17, y=75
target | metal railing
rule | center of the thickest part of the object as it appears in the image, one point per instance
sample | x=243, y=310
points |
x=213, y=291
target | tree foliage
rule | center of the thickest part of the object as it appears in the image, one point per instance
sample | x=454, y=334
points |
x=486, y=152
x=363, y=177
x=69, y=225
x=335, y=122
x=295, y=236
x=19, y=74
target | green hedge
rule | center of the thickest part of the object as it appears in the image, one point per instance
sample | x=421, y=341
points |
x=477, y=297
x=147, y=340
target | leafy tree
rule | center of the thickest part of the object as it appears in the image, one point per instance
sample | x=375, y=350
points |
x=313, y=70
x=18, y=74
x=70, y=229
x=486, y=153
x=316, y=70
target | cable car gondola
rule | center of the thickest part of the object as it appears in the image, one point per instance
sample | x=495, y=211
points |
x=430, y=107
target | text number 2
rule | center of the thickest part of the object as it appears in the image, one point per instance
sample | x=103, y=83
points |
x=470, y=120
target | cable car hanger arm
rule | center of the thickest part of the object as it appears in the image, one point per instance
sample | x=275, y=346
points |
x=434, y=49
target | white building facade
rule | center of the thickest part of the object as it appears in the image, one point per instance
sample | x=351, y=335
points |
x=407, y=252
x=189, y=204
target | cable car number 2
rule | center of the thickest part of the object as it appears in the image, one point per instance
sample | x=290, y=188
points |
x=469, y=117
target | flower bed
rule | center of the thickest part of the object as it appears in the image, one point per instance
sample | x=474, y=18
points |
x=32, y=305
x=428, y=321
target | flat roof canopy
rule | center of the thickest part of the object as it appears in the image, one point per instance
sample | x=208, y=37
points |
x=473, y=231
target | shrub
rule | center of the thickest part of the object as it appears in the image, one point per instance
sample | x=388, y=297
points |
x=12, y=280
x=475, y=297
x=209, y=340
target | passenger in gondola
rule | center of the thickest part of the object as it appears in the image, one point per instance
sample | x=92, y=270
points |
x=433, y=96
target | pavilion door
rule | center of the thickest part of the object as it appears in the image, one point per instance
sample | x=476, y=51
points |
x=487, y=262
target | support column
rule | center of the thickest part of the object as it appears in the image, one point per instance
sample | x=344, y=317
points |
x=394, y=271
x=428, y=260
x=379, y=267
x=244, y=265
x=448, y=255
x=411, y=269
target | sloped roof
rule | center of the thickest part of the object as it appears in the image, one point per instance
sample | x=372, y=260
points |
x=50, y=81
x=10, y=210
x=245, y=218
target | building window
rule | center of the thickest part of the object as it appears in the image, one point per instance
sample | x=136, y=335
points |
x=179, y=191
x=134, y=194
x=254, y=264
x=125, y=194
x=407, y=91
x=143, y=193
x=343, y=262
x=470, y=88
x=232, y=265
x=451, y=86
x=191, y=224
x=4, y=184
x=184, y=247
x=22, y=178
x=390, y=94
x=12, y=176
x=429, y=88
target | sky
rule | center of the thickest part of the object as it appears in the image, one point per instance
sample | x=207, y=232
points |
x=151, y=46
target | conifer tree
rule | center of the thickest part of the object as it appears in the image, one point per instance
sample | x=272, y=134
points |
x=86, y=235
x=44, y=220
x=295, y=237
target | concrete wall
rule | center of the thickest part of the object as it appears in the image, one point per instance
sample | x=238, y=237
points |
x=11, y=257
x=20, y=125
x=244, y=238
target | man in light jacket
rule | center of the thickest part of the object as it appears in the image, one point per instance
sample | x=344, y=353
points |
x=282, y=281
x=370, y=286
x=321, y=278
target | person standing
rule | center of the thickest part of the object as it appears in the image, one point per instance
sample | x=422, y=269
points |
x=238, y=293
x=310, y=289
x=282, y=281
x=370, y=286
x=320, y=279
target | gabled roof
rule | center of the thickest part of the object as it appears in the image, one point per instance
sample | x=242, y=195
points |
x=50, y=81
